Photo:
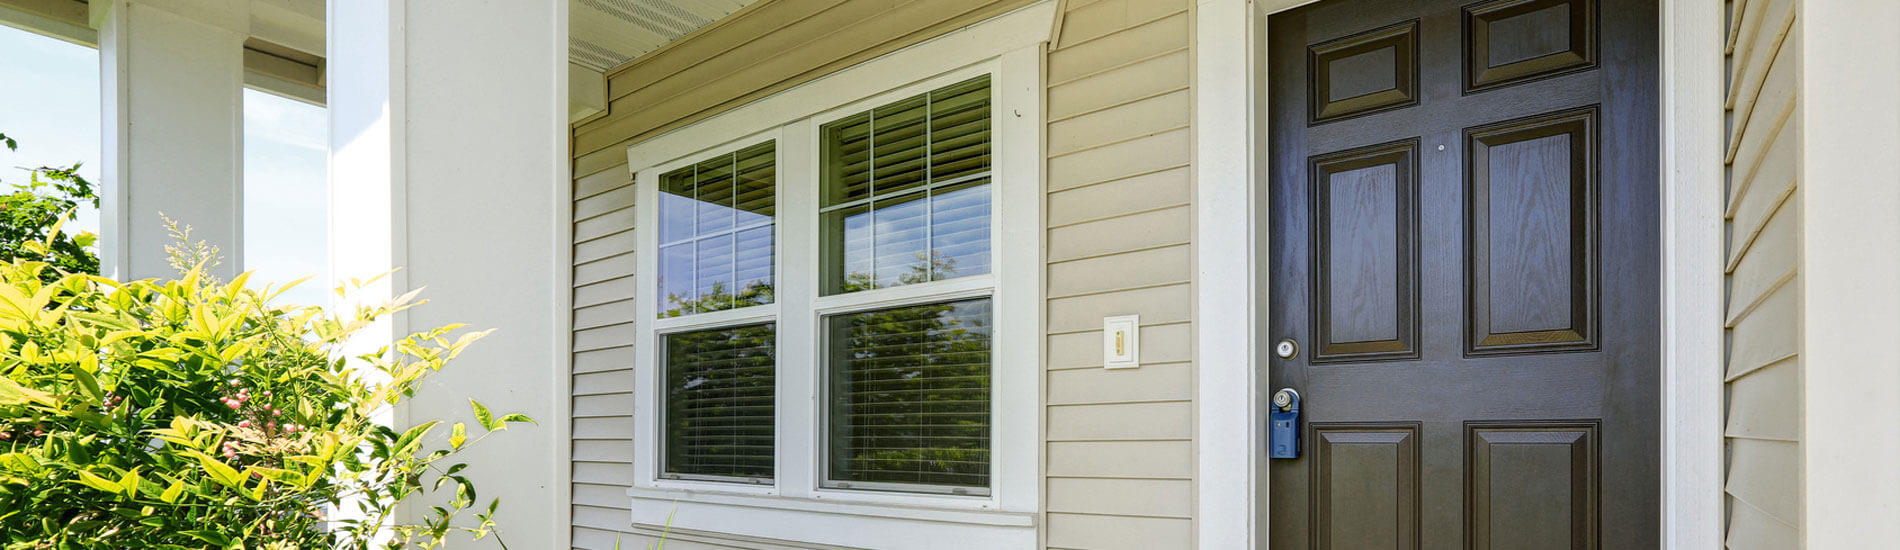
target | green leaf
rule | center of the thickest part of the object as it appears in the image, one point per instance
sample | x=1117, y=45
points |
x=170, y=496
x=409, y=438
x=482, y=416
x=12, y=393
x=458, y=435
x=94, y=481
x=21, y=461
x=129, y=484
x=221, y=473
x=87, y=381
x=210, y=536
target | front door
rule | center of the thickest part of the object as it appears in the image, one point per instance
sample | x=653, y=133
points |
x=1464, y=208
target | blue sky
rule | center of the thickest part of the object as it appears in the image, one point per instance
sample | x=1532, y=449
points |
x=49, y=101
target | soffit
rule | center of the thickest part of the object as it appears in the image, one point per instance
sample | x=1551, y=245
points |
x=602, y=34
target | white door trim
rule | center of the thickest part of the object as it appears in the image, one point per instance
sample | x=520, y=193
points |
x=1228, y=90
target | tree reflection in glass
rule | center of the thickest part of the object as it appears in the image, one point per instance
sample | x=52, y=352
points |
x=910, y=394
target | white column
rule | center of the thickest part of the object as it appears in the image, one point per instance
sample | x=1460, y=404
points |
x=449, y=160
x=1850, y=272
x=172, y=94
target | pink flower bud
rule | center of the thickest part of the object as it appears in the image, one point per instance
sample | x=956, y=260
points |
x=233, y=404
x=244, y=424
x=266, y=393
x=234, y=382
x=275, y=412
x=271, y=425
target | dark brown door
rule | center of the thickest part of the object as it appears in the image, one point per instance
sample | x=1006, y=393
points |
x=1464, y=202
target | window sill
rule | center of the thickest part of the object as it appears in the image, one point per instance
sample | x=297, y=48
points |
x=828, y=521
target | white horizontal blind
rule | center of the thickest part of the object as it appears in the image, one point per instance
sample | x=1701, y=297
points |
x=910, y=397
x=719, y=402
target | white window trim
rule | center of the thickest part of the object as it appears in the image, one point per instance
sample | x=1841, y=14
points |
x=794, y=506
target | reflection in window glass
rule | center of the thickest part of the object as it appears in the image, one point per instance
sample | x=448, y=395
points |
x=716, y=232
x=910, y=397
x=719, y=402
x=906, y=194
x=286, y=195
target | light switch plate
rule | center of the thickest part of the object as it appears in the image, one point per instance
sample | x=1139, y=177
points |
x=1121, y=342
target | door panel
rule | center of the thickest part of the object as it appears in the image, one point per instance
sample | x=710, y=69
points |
x=1463, y=199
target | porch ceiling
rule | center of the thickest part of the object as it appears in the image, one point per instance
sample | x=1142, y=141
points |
x=602, y=34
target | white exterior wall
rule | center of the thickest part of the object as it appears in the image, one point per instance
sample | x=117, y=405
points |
x=173, y=117
x=1850, y=272
x=449, y=137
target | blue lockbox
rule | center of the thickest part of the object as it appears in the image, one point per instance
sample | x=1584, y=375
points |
x=1283, y=425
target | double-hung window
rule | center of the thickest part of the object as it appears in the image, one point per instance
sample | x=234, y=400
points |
x=838, y=300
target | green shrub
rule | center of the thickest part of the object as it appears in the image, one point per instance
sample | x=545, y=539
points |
x=29, y=213
x=194, y=413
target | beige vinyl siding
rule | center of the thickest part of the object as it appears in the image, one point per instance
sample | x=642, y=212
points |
x=1762, y=314
x=766, y=48
x=1119, y=456
x=602, y=406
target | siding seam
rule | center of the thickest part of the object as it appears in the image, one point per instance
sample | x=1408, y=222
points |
x=1112, y=68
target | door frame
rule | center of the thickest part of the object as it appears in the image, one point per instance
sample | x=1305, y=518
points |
x=1230, y=236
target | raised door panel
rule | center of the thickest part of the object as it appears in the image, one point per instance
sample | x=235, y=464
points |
x=1531, y=485
x=1365, y=486
x=1531, y=234
x=1511, y=41
x=1365, y=242
x=1363, y=73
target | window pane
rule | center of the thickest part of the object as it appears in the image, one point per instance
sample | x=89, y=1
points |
x=676, y=280
x=902, y=230
x=713, y=277
x=910, y=396
x=676, y=206
x=719, y=402
x=887, y=171
x=753, y=277
x=960, y=230
x=847, y=254
x=847, y=170
x=960, y=131
x=716, y=232
x=286, y=196
x=899, y=152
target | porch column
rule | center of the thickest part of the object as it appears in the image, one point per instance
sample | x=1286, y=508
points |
x=1849, y=195
x=448, y=160
x=171, y=80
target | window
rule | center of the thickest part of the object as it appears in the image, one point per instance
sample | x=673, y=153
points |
x=837, y=304
x=287, y=195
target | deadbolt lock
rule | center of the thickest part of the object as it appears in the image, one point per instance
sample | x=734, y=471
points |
x=1287, y=348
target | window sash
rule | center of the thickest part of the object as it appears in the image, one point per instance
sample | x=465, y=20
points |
x=671, y=450
x=719, y=237
x=892, y=161
x=831, y=422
